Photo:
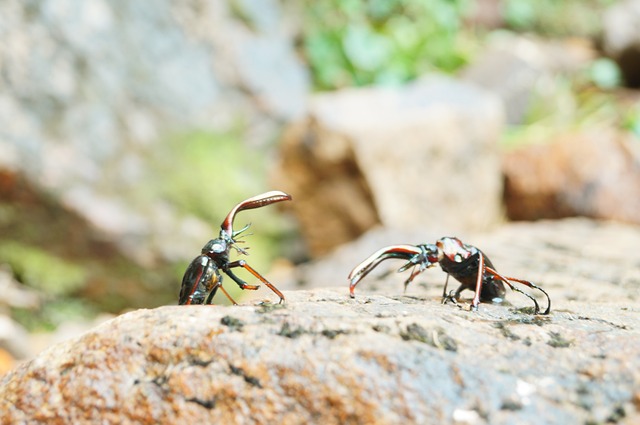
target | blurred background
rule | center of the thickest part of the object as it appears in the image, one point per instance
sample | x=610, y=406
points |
x=129, y=129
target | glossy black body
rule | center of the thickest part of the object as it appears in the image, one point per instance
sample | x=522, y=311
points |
x=199, y=280
x=466, y=272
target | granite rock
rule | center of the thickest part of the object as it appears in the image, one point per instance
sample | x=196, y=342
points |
x=383, y=357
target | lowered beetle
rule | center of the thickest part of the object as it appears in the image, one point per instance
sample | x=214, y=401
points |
x=466, y=263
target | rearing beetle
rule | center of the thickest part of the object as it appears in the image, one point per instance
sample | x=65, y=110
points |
x=203, y=274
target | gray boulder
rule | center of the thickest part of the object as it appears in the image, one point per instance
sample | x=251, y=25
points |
x=424, y=154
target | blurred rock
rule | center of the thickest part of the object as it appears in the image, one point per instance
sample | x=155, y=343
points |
x=14, y=294
x=424, y=155
x=34, y=220
x=621, y=38
x=594, y=174
x=88, y=88
x=14, y=341
x=516, y=68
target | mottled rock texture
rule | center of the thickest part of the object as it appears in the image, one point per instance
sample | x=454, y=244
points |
x=380, y=358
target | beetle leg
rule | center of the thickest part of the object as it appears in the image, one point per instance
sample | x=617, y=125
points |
x=526, y=283
x=224, y=291
x=531, y=285
x=444, y=291
x=417, y=269
x=243, y=285
x=481, y=269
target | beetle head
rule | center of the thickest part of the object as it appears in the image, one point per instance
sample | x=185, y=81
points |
x=453, y=249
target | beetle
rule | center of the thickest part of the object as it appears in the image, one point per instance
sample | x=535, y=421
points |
x=466, y=263
x=203, y=275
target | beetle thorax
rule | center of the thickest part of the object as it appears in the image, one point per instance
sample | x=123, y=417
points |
x=215, y=246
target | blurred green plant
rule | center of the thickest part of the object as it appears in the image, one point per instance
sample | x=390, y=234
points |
x=631, y=120
x=554, y=17
x=42, y=270
x=54, y=313
x=573, y=102
x=205, y=173
x=363, y=42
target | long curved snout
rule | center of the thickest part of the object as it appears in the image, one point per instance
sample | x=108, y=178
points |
x=403, y=252
x=257, y=201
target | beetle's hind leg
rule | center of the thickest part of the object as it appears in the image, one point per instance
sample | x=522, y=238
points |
x=526, y=283
x=224, y=291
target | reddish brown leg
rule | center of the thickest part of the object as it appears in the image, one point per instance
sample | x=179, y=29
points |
x=414, y=272
x=244, y=265
x=224, y=291
x=526, y=283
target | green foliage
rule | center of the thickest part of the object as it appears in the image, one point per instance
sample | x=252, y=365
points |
x=575, y=103
x=204, y=173
x=54, y=313
x=362, y=42
x=631, y=120
x=42, y=270
x=556, y=17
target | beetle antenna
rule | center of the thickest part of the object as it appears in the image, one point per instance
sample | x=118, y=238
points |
x=237, y=232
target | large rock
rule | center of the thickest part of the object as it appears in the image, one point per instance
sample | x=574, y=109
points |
x=380, y=358
x=420, y=155
x=594, y=174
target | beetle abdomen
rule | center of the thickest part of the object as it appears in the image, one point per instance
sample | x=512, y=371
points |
x=466, y=272
x=198, y=280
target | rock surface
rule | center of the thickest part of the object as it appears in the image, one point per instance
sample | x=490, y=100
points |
x=420, y=153
x=379, y=358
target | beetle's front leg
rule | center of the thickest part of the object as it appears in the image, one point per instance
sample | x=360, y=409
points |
x=476, y=296
x=244, y=285
x=224, y=291
x=241, y=283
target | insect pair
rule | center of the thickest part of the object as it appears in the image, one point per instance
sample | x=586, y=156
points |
x=466, y=263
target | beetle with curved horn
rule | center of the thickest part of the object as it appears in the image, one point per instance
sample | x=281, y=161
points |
x=466, y=263
x=203, y=275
